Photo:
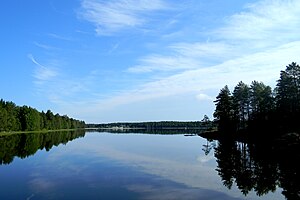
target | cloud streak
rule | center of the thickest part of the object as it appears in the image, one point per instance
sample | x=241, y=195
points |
x=56, y=85
x=154, y=63
x=112, y=16
x=42, y=73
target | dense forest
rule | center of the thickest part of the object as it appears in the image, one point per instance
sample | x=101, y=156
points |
x=257, y=108
x=24, y=118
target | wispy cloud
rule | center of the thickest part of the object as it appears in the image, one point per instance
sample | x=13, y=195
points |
x=58, y=86
x=45, y=46
x=261, y=66
x=112, y=16
x=42, y=73
x=212, y=51
x=153, y=63
x=186, y=56
x=262, y=26
x=264, y=23
x=251, y=45
x=60, y=37
x=113, y=48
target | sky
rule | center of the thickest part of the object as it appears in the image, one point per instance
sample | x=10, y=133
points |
x=141, y=60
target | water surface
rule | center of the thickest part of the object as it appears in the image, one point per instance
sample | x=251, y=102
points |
x=115, y=166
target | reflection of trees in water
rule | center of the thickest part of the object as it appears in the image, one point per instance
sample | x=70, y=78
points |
x=260, y=167
x=26, y=144
x=210, y=144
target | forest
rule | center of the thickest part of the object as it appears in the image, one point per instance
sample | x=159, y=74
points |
x=25, y=118
x=257, y=108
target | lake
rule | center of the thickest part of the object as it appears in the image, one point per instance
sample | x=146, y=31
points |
x=101, y=165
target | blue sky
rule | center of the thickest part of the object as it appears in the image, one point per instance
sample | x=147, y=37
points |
x=141, y=60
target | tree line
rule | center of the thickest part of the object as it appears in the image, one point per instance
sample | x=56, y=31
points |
x=25, y=118
x=205, y=123
x=257, y=106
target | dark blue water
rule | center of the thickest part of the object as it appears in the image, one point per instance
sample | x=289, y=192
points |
x=120, y=166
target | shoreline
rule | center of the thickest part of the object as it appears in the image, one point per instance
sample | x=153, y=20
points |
x=5, y=133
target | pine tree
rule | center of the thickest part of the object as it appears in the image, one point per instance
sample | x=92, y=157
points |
x=224, y=109
x=261, y=100
x=241, y=104
x=288, y=95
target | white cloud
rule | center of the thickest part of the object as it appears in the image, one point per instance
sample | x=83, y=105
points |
x=205, y=97
x=262, y=66
x=112, y=16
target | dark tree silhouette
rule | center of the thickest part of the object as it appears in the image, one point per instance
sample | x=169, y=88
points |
x=288, y=96
x=224, y=109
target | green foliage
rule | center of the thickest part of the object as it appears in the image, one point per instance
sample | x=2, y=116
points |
x=262, y=101
x=257, y=107
x=288, y=94
x=224, y=109
x=241, y=104
x=16, y=118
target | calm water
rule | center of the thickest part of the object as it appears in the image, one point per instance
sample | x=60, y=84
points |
x=96, y=165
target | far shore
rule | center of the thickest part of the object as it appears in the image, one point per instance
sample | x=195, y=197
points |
x=143, y=128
